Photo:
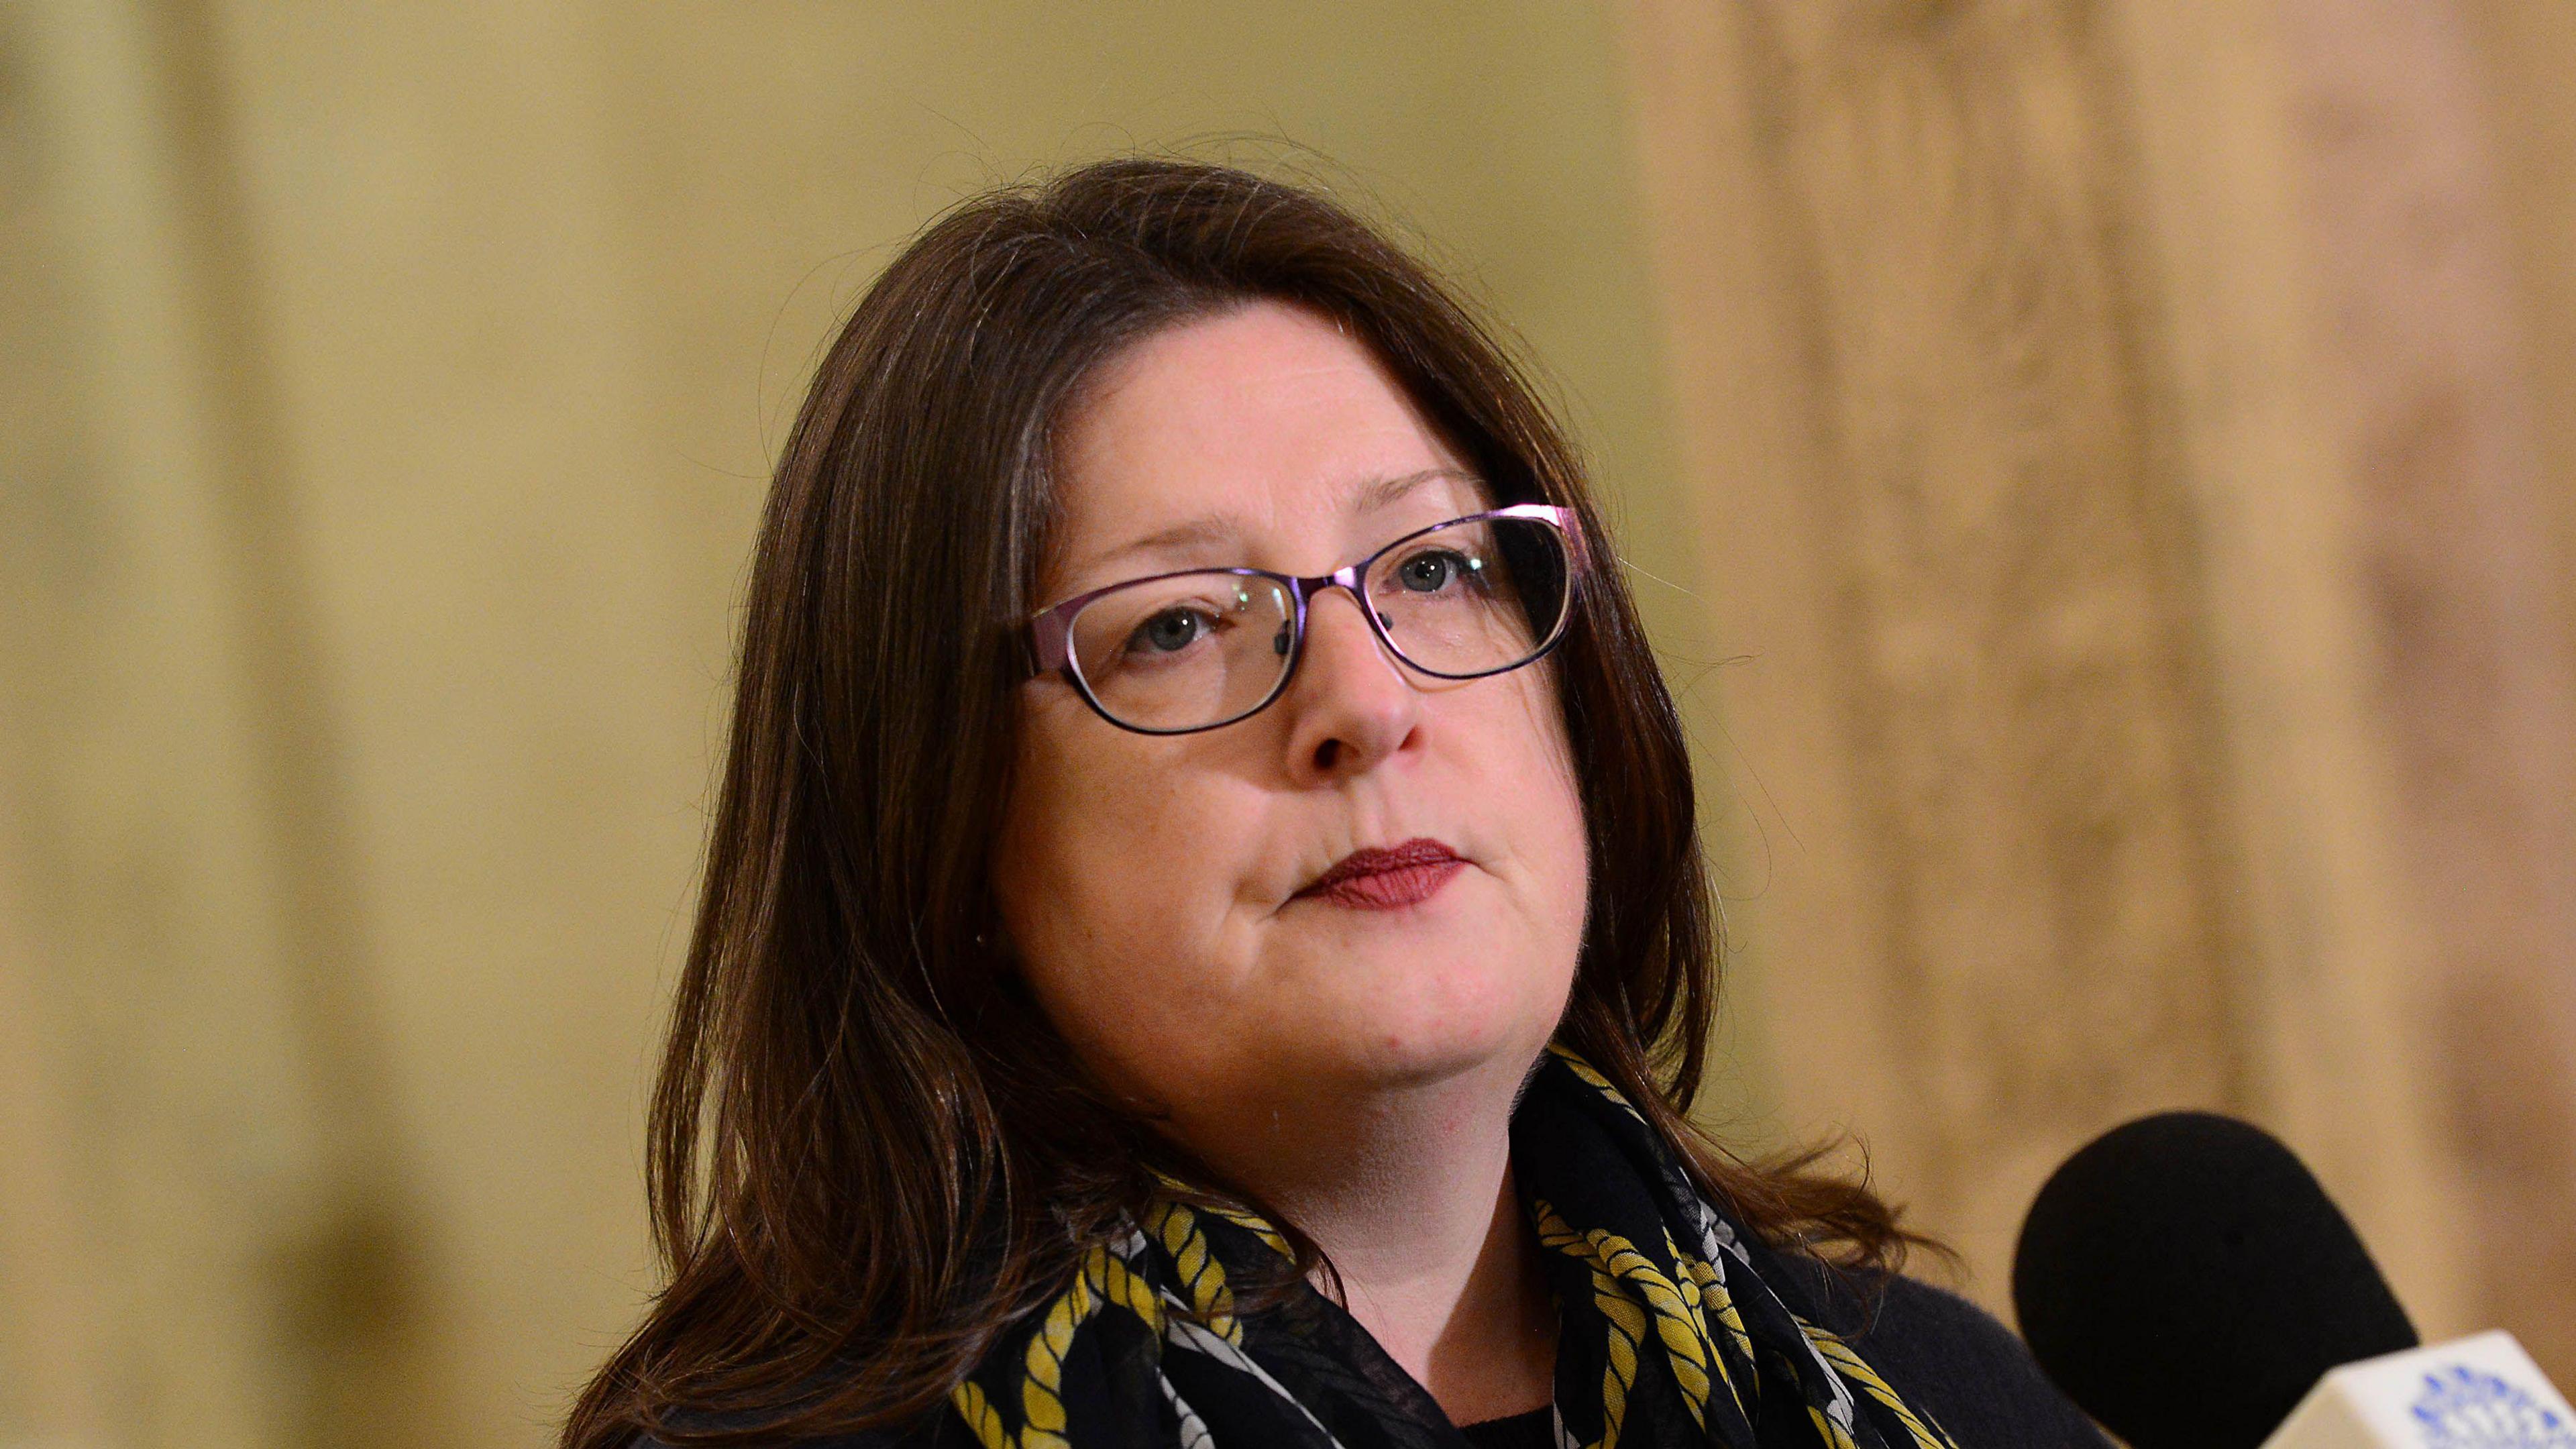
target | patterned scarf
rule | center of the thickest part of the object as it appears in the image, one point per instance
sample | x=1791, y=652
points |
x=1674, y=1327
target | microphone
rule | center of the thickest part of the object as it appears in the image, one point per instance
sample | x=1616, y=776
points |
x=2186, y=1280
x=2188, y=1283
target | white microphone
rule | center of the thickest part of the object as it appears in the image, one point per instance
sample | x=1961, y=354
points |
x=2480, y=1392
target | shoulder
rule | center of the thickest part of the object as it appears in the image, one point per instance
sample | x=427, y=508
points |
x=1950, y=1359
x=938, y=1429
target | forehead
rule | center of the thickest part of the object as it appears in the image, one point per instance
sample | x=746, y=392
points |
x=1261, y=430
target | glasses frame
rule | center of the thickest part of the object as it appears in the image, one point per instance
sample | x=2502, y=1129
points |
x=1050, y=631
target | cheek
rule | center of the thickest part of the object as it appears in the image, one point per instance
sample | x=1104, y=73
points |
x=1539, y=812
x=1114, y=872
x=1545, y=816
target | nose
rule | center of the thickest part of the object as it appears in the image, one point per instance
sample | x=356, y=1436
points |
x=1352, y=705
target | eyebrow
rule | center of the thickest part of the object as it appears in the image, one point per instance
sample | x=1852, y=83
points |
x=1369, y=497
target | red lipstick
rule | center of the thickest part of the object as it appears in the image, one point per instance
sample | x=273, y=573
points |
x=1389, y=879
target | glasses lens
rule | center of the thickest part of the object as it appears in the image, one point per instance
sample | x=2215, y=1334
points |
x=1472, y=598
x=1185, y=652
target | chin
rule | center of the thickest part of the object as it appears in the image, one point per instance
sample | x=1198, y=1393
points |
x=1418, y=1027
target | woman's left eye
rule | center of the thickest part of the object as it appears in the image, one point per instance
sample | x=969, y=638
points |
x=1434, y=569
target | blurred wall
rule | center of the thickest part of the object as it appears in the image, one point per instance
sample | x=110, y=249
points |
x=389, y=393
x=2135, y=439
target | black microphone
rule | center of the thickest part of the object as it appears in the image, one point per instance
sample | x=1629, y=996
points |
x=2186, y=1280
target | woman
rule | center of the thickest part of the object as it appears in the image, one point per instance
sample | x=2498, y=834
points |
x=1204, y=939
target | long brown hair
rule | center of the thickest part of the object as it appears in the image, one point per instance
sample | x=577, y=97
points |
x=869, y=1152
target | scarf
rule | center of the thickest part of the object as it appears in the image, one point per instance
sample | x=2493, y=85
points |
x=1677, y=1327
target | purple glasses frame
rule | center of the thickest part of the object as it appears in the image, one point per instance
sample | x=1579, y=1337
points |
x=1051, y=629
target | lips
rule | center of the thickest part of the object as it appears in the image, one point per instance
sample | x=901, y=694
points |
x=1387, y=879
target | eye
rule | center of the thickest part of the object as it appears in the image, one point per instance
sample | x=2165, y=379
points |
x=1434, y=569
x=1170, y=631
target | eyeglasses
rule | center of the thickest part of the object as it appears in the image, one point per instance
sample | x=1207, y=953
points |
x=1182, y=652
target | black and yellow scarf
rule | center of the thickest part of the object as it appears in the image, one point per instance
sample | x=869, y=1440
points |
x=1675, y=1330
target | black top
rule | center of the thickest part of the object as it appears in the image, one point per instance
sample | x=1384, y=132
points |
x=1533, y=1430
x=1949, y=1360
x=1941, y=1353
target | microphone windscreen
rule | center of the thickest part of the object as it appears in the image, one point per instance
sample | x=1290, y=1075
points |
x=2186, y=1280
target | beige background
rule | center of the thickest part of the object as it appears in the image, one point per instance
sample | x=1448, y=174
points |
x=2101, y=475
x=2140, y=432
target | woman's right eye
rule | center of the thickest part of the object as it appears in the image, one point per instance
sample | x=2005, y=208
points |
x=1170, y=631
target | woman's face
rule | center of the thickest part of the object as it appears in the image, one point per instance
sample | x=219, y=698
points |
x=1160, y=889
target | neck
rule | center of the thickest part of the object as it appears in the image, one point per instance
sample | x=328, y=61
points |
x=1409, y=1192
